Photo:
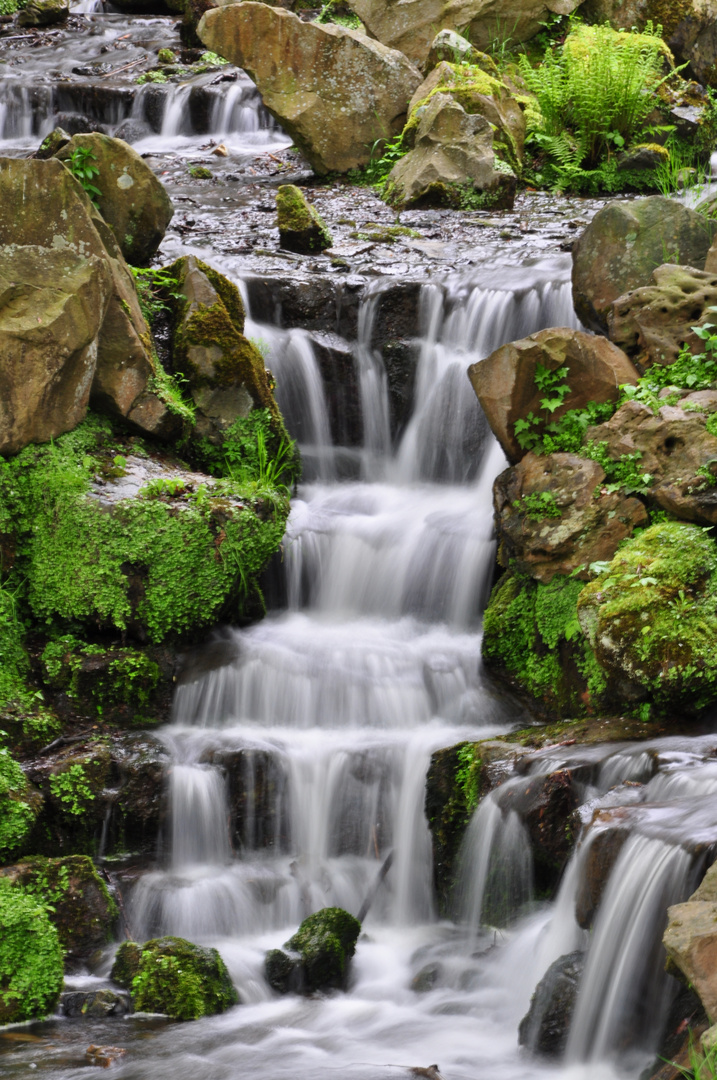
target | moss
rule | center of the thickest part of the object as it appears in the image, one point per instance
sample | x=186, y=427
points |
x=652, y=616
x=200, y=172
x=99, y=676
x=181, y=980
x=126, y=964
x=19, y=806
x=532, y=636
x=453, y=787
x=300, y=225
x=31, y=968
x=325, y=941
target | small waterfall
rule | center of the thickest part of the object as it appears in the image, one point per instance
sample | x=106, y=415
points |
x=175, y=119
x=199, y=815
x=373, y=388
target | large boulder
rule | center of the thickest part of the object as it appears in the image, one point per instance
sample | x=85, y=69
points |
x=505, y=381
x=177, y=978
x=335, y=91
x=317, y=956
x=453, y=155
x=481, y=93
x=31, y=970
x=676, y=450
x=78, y=902
x=43, y=205
x=651, y=618
x=622, y=246
x=52, y=304
x=653, y=323
x=43, y=12
x=544, y=1029
x=553, y=516
x=411, y=25
x=688, y=27
x=690, y=940
x=133, y=202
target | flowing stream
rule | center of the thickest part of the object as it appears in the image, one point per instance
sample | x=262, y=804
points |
x=299, y=766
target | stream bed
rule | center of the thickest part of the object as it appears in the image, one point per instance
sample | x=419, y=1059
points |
x=369, y=659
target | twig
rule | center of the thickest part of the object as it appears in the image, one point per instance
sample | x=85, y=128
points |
x=64, y=740
x=116, y=71
x=363, y=912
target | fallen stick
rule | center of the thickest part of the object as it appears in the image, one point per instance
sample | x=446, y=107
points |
x=364, y=909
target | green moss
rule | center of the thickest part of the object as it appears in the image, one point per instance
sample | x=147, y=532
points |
x=126, y=964
x=200, y=172
x=531, y=634
x=652, y=616
x=453, y=788
x=103, y=677
x=181, y=980
x=297, y=216
x=18, y=809
x=31, y=967
x=326, y=941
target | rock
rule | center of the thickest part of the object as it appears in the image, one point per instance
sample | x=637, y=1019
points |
x=411, y=25
x=126, y=964
x=603, y=851
x=690, y=941
x=505, y=381
x=480, y=93
x=224, y=371
x=652, y=616
x=74, y=784
x=80, y=906
x=317, y=956
x=94, y=1004
x=544, y=805
x=675, y=448
x=456, y=49
x=623, y=244
x=643, y=158
x=77, y=123
x=544, y=1029
x=427, y=978
x=131, y=130
x=653, y=323
x=688, y=27
x=52, y=304
x=53, y=142
x=334, y=91
x=452, y=157
x=43, y=12
x=301, y=228
x=449, y=806
x=30, y=956
x=119, y=682
x=257, y=784
x=138, y=813
x=181, y=980
x=549, y=520
x=133, y=202
x=104, y=1056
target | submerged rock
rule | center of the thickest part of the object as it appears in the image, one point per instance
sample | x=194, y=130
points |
x=301, y=229
x=334, y=91
x=452, y=159
x=623, y=244
x=94, y=1004
x=175, y=977
x=317, y=956
x=544, y=1029
x=31, y=966
x=131, y=199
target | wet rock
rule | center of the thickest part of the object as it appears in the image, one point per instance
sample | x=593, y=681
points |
x=544, y=1029
x=43, y=12
x=79, y=903
x=676, y=451
x=544, y=805
x=256, y=782
x=74, y=784
x=690, y=941
x=52, y=306
x=104, y=1056
x=336, y=362
x=653, y=323
x=600, y=859
x=77, y=123
x=453, y=154
x=301, y=228
x=181, y=980
x=623, y=244
x=449, y=805
x=505, y=381
x=553, y=517
x=411, y=25
x=651, y=618
x=688, y=28
x=317, y=956
x=53, y=142
x=94, y=1004
x=334, y=91
x=138, y=812
x=131, y=130
x=428, y=977
x=126, y=964
x=133, y=202
x=643, y=159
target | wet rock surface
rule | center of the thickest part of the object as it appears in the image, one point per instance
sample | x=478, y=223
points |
x=317, y=956
x=544, y=1029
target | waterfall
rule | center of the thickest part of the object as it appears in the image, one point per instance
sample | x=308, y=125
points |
x=373, y=388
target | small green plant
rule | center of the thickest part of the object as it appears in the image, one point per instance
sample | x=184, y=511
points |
x=212, y=59
x=16, y=812
x=166, y=56
x=82, y=167
x=163, y=487
x=151, y=77
x=200, y=172
x=468, y=775
x=551, y=383
x=328, y=14
x=154, y=289
x=31, y=960
x=538, y=505
x=72, y=789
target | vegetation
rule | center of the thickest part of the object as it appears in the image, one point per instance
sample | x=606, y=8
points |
x=181, y=980
x=82, y=167
x=18, y=809
x=31, y=961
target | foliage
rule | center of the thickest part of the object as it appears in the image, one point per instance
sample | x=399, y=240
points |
x=384, y=155
x=468, y=775
x=181, y=980
x=621, y=474
x=567, y=434
x=251, y=456
x=151, y=77
x=14, y=663
x=127, y=677
x=155, y=288
x=17, y=813
x=329, y=14
x=72, y=789
x=538, y=505
x=82, y=168
x=212, y=59
x=31, y=962
x=552, y=384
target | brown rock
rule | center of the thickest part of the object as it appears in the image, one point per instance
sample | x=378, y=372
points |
x=653, y=323
x=544, y=804
x=690, y=942
x=505, y=381
x=622, y=246
x=335, y=91
x=589, y=528
x=599, y=861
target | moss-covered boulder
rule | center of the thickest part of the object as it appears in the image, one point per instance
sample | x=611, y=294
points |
x=317, y=956
x=179, y=979
x=77, y=900
x=651, y=618
x=43, y=12
x=126, y=964
x=20, y=803
x=301, y=227
x=453, y=787
x=31, y=969
x=74, y=783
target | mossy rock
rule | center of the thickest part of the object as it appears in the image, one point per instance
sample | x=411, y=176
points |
x=20, y=805
x=31, y=967
x=317, y=956
x=78, y=902
x=453, y=788
x=180, y=979
x=651, y=618
x=301, y=227
x=126, y=964
x=532, y=638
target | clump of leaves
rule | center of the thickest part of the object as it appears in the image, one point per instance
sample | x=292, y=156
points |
x=82, y=167
x=538, y=505
x=551, y=383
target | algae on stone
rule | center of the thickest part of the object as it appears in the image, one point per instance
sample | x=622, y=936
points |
x=301, y=227
x=318, y=954
x=180, y=979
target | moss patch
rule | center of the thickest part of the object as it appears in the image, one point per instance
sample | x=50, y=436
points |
x=318, y=953
x=181, y=980
x=31, y=967
x=453, y=787
x=301, y=227
x=19, y=805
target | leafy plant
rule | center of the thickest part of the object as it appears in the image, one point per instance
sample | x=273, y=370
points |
x=72, y=789
x=82, y=168
x=31, y=961
x=154, y=289
x=162, y=487
x=329, y=14
x=551, y=384
x=538, y=505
